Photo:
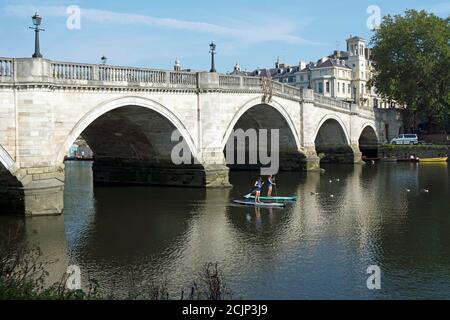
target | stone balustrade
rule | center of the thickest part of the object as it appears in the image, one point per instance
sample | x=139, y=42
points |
x=6, y=68
x=226, y=81
x=326, y=101
x=71, y=71
x=131, y=75
x=105, y=75
x=252, y=81
x=183, y=78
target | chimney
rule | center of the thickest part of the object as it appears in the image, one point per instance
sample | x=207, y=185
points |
x=302, y=65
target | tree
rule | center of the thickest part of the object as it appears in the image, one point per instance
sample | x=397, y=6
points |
x=411, y=55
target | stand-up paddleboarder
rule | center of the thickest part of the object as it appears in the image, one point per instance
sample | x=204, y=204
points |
x=270, y=184
x=258, y=185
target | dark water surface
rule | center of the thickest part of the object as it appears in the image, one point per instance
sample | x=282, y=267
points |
x=319, y=247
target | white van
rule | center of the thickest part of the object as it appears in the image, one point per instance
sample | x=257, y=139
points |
x=408, y=138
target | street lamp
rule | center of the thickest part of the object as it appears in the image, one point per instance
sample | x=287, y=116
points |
x=212, y=46
x=104, y=59
x=309, y=77
x=37, y=19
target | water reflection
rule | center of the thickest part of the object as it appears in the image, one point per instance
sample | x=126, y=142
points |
x=346, y=219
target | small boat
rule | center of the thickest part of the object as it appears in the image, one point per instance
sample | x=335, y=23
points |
x=389, y=159
x=275, y=199
x=434, y=160
x=259, y=204
x=408, y=160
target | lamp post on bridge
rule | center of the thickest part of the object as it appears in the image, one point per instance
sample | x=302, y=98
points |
x=37, y=19
x=212, y=46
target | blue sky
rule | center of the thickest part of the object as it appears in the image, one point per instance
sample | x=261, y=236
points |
x=153, y=33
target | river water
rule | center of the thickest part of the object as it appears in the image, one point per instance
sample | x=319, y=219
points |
x=346, y=219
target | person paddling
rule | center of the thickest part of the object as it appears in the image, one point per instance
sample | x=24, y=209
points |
x=258, y=184
x=270, y=184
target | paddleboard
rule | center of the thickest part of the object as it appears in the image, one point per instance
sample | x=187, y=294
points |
x=260, y=204
x=273, y=198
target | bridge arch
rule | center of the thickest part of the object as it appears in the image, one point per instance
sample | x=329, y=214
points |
x=255, y=114
x=332, y=141
x=254, y=103
x=131, y=138
x=369, y=128
x=331, y=118
x=105, y=107
x=368, y=140
x=5, y=158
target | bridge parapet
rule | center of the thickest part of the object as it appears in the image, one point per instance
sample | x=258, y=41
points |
x=35, y=71
x=6, y=69
x=326, y=101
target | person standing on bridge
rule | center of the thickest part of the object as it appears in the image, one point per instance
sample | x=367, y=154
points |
x=258, y=184
x=270, y=184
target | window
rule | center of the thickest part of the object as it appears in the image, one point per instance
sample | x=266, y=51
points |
x=339, y=87
x=328, y=86
x=348, y=88
x=301, y=78
x=320, y=87
x=362, y=88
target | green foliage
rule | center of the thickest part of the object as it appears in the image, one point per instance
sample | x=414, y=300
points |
x=411, y=57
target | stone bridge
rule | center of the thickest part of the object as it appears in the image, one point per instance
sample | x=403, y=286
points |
x=127, y=116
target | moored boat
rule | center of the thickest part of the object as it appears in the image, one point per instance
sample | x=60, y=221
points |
x=434, y=160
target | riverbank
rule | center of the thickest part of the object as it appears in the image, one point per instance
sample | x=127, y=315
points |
x=418, y=151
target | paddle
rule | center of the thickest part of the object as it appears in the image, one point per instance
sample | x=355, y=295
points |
x=275, y=185
x=250, y=194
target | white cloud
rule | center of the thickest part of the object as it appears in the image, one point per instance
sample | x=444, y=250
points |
x=253, y=34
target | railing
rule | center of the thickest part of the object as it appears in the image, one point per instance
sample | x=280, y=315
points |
x=252, y=82
x=70, y=71
x=292, y=91
x=6, y=67
x=229, y=81
x=277, y=86
x=183, y=78
x=133, y=75
x=322, y=100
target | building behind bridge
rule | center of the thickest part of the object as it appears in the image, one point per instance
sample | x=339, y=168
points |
x=342, y=75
